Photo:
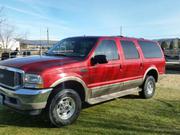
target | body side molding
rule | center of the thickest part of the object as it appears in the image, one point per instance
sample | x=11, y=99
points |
x=112, y=96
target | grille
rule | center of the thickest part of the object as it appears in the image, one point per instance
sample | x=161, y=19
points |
x=10, y=79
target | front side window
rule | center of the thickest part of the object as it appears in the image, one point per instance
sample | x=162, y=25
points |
x=109, y=49
x=130, y=50
x=73, y=47
x=150, y=49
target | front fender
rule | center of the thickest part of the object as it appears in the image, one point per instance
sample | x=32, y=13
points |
x=55, y=80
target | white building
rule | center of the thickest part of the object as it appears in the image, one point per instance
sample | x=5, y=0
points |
x=23, y=44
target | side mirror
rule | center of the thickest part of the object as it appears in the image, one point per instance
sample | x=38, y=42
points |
x=99, y=59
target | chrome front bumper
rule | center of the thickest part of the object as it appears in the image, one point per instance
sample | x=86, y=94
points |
x=25, y=99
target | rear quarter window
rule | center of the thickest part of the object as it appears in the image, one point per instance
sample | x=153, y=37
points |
x=150, y=49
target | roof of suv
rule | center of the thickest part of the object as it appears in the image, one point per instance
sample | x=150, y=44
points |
x=122, y=37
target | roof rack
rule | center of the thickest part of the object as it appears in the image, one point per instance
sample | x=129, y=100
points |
x=120, y=36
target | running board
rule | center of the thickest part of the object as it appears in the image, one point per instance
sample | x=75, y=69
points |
x=113, y=95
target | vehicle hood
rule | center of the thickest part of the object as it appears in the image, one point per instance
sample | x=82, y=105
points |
x=38, y=63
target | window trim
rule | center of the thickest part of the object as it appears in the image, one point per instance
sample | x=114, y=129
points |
x=124, y=52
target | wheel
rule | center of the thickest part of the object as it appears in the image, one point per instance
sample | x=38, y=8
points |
x=148, y=88
x=64, y=107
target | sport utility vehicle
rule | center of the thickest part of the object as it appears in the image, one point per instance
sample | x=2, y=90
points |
x=78, y=70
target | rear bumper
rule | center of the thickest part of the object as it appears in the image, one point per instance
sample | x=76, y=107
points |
x=25, y=99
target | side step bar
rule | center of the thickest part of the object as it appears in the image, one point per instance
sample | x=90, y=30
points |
x=113, y=95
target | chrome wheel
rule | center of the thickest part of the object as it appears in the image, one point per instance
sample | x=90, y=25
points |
x=66, y=108
x=150, y=87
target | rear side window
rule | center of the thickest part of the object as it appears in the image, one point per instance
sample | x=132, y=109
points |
x=130, y=50
x=108, y=48
x=150, y=49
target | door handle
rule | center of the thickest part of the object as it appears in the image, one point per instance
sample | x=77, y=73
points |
x=141, y=65
x=84, y=70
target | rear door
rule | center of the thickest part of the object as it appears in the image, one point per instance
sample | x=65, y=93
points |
x=132, y=64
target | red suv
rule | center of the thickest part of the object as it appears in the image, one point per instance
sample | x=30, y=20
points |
x=78, y=70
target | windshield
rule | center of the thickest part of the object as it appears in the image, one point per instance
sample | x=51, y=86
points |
x=73, y=47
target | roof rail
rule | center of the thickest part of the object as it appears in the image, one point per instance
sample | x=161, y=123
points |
x=120, y=36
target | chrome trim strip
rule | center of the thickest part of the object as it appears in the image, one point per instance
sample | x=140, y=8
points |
x=32, y=92
x=25, y=91
x=15, y=87
x=13, y=70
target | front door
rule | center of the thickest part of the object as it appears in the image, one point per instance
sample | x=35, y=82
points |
x=101, y=75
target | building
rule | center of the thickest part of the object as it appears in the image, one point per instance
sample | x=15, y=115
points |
x=34, y=44
x=23, y=44
x=33, y=47
x=170, y=43
x=171, y=47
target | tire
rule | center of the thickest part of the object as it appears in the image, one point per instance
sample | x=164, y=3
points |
x=64, y=108
x=148, y=88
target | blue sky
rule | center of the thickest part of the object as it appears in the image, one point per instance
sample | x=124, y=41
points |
x=64, y=18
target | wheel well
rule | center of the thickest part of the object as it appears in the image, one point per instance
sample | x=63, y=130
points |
x=153, y=73
x=78, y=87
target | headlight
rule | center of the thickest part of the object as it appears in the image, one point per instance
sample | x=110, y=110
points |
x=33, y=81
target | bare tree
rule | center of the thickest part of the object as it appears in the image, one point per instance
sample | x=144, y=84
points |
x=1, y=20
x=172, y=45
x=7, y=33
x=164, y=45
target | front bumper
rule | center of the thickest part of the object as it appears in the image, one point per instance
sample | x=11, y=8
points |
x=25, y=99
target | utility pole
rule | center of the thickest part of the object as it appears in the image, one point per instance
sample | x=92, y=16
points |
x=47, y=37
x=121, y=32
x=40, y=44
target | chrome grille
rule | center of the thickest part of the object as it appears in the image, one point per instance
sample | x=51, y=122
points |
x=11, y=77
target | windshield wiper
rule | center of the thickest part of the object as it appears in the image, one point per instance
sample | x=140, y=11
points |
x=58, y=54
x=46, y=53
x=63, y=54
x=55, y=54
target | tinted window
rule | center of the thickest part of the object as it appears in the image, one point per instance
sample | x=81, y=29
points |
x=108, y=48
x=150, y=49
x=130, y=50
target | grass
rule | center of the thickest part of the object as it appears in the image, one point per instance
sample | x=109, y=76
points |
x=127, y=115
